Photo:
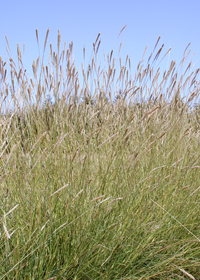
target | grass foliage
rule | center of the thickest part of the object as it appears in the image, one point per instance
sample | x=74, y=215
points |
x=100, y=180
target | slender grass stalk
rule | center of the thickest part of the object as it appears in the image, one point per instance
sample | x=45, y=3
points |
x=99, y=181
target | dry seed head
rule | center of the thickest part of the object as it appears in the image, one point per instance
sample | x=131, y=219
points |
x=77, y=148
x=34, y=69
x=39, y=93
x=79, y=193
x=7, y=43
x=121, y=30
x=113, y=63
x=97, y=198
x=188, y=55
x=67, y=54
x=186, y=273
x=38, y=140
x=37, y=36
x=144, y=52
x=59, y=40
x=73, y=74
x=23, y=48
x=156, y=76
x=104, y=200
x=51, y=51
x=149, y=58
x=157, y=43
x=83, y=73
x=64, y=52
x=46, y=82
x=111, y=55
x=108, y=140
x=98, y=46
x=119, y=198
x=29, y=92
x=54, y=59
x=193, y=167
x=108, y=59
x=162, y=135
x=4, y=77
x=47, y=70
x=84, y=53
x=188, y=67
x=113, y=76
x=172, y=65
x=110, y=96
x=97, y=38
x=120, y=48
x=88, y=72
x=18, y=52
x=127, y=77
x=158, y=53
x=164, y=75
x=186, y=49
x=197, y=71
x=45, y=42
x=126, y=137
x=11, y=210
x=129, y=89
x=126, y=60
x=173, y=85
x=59, y=190
x=182, y=62
x=68, y=65
x=19, y=75
x=15, y=72
x=32, y=83
x=43, y=70
x=165, y=54
x=149, y=117
x=149, y=112
x=37, y=62
x=6, y=231
x=109, y=72
x=71, y=47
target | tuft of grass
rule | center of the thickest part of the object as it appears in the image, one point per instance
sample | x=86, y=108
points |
x=99, y=181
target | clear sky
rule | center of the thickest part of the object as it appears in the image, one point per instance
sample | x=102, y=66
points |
x=177, y=22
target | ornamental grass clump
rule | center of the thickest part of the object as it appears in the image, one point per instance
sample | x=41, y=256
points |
x=100, y=169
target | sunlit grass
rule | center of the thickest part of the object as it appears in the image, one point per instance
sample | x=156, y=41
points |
x=99, y=184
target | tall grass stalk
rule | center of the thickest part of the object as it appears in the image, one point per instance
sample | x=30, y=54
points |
x=100, y=180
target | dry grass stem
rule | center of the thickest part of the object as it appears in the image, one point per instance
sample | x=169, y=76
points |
x=121, y=30
x=97, y=198
x=129, y=141
x=59, y=189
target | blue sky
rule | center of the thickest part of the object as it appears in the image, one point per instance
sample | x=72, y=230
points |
x=177, y=22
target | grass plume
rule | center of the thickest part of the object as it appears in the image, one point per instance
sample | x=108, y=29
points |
x=99, y=180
